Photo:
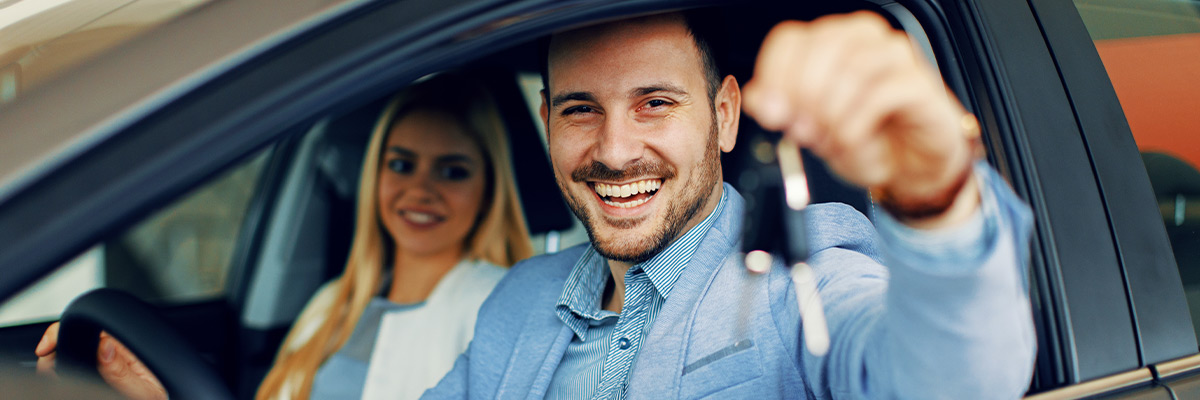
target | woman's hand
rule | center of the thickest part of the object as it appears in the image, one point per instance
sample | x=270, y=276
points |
x=117, y=365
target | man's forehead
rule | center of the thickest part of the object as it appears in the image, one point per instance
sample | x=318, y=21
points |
x=666, y=34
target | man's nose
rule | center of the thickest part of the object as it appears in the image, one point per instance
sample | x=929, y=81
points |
x=619, y=144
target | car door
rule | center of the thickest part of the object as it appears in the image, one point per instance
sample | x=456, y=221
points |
x=1113, y=317
x=997, y=55
x=1128, y=70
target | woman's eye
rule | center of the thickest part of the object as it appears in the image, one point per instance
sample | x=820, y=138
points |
x=456, y=173
x=400, y=166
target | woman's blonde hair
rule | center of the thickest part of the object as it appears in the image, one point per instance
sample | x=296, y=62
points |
x=500, y=235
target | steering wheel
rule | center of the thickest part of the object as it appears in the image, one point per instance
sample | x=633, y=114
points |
x=145, y=332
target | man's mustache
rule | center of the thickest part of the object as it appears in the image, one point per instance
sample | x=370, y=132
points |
x=597, y=171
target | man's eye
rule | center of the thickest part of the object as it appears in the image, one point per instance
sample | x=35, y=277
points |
x=455, y=173
x=654, y=105
x=577, y=110
x=400, y=166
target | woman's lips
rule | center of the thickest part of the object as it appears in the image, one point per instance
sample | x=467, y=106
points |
x=420, y=219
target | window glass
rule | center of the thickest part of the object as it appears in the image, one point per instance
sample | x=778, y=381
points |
x=46, y=299
x=1151, y=50
x=179, y=254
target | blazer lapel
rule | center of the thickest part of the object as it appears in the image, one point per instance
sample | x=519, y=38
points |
x=541, y=342
x=666, y=344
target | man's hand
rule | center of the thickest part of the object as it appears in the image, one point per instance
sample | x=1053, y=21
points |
x=117, y=365
x=859, y=95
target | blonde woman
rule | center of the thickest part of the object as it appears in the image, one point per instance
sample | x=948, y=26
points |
x=438, y=219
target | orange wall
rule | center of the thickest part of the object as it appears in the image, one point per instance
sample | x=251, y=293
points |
x=1157, y=79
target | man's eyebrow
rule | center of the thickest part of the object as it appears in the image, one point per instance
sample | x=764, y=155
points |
x=559, y=99
x=657, y=87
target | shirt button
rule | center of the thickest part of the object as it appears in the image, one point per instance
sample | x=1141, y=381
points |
x=623, y=343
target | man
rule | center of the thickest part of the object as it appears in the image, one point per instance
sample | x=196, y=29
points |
x=659, y=305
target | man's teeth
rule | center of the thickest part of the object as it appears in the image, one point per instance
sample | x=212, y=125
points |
x=629, y=189
x=628, y=204
x=418, y=217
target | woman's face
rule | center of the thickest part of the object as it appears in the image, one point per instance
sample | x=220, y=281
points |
x=431, y=184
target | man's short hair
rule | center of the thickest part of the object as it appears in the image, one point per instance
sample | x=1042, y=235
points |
x=702, y=24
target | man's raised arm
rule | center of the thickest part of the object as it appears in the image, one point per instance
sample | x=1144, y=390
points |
x=950, y=316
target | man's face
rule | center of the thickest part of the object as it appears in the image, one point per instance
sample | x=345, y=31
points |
x=633, y=135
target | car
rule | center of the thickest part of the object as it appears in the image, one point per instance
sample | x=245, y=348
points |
x=201, y=156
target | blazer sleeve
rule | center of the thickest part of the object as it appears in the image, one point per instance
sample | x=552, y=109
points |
x=948, y=318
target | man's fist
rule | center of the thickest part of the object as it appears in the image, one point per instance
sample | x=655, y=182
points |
x=859, y=95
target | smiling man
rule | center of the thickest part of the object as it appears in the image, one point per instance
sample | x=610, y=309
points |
x=659, y=305
x=634, y=135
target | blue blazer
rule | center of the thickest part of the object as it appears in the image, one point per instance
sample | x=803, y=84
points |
x=955, y=322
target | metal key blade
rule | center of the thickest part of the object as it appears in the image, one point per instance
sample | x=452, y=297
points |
x=812, y=313
x=795, y=181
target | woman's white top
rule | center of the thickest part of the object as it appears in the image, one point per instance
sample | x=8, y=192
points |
x=397, y=351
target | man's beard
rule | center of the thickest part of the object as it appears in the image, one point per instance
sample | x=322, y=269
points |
x=679, y=210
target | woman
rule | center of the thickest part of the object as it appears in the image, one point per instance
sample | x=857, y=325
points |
x=438, y=207
x=438, y=211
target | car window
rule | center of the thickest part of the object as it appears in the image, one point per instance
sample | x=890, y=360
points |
x=1150, y=49
x=181, y=253
x=41, y=39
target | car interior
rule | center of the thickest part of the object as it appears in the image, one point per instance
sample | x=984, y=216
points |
x=297, y=225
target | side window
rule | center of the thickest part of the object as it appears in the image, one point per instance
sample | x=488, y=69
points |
x=1151, y=49
x=182, y=253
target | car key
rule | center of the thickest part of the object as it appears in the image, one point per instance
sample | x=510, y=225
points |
x=775, y=227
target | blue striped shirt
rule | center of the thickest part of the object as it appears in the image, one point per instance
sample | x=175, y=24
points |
x=597, y=361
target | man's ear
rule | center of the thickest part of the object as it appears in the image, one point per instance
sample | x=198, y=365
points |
x=728, y=105
x=545, y=112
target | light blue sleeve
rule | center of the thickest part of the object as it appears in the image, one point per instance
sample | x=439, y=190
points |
x=949, y=318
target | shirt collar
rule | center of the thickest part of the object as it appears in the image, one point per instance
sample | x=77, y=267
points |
x=665, y=267
x=580, y=299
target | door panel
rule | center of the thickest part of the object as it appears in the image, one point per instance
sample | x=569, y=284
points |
x=1155, y=290
x=1081, y=299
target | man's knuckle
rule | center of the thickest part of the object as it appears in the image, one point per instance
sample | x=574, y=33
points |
x=784, y=33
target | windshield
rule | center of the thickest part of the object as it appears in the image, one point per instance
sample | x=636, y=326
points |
x=41, y=39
